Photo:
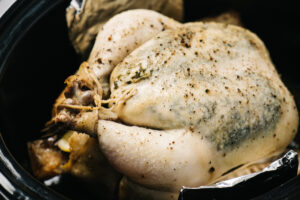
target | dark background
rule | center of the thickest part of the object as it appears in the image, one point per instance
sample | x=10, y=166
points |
x=276, y=22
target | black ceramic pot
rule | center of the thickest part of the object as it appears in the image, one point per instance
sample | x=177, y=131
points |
x=34, y=53
x=36, y=57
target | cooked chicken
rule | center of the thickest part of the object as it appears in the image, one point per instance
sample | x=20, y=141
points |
x=186, y=104
x=209, y=87
x=118, y=38
x=122, y=34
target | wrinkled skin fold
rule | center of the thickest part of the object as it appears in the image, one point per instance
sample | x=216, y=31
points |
x=175, y=104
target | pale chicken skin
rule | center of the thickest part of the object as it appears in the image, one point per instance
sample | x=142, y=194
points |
x=214, y=99
x=185, y=102
x=117, y=39
x=121, y=35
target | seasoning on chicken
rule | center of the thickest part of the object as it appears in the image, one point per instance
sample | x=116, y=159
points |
x=185, y=103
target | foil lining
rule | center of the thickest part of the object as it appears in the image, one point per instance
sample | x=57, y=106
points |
x=248, y=186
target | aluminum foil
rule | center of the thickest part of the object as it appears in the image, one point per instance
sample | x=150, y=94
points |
x=86, y=17
x=248, y=186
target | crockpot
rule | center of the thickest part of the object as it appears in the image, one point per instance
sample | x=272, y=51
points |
x=36, y=56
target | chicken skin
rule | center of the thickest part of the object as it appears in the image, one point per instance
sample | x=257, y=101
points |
x=175, y=104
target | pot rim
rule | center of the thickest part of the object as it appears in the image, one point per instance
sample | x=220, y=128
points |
x=15, y=181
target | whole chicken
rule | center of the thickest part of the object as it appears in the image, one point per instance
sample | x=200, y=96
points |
x=175, y=104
